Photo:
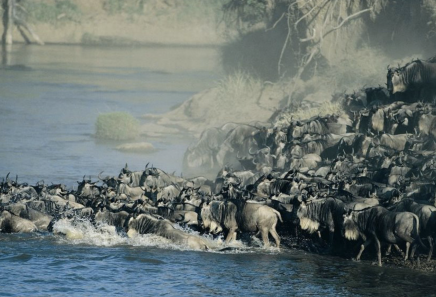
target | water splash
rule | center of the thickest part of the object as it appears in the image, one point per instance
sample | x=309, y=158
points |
x=83, y=232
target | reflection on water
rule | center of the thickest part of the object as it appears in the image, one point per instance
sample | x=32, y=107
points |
x=49, y=107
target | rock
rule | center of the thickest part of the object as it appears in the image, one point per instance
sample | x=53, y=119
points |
x=139, y=147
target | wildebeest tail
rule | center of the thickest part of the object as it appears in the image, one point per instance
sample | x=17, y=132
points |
x=416, y=232
x=278, y=215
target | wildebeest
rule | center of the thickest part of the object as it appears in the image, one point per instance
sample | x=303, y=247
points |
x=318, y=214
x=10, y=223
x=40, y=219
x=110, y=181
x=427, y=219
x=147, y=224
x=377, y=224
x=416, y=74
x=203, y=153
x=117, y=219
x=244, y=216
x=86, y=188
x=133, y=193
x=218, y=216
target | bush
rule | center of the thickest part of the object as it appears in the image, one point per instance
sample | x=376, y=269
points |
x=116, y=126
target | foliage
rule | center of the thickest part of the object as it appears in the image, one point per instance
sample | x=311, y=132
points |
x=56, y=12
x=179, y=11
x=116, y=126
x=245, y=11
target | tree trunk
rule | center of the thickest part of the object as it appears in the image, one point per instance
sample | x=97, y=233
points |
x=8, y=21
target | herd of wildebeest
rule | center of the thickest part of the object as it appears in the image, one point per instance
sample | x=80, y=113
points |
x=365, y=175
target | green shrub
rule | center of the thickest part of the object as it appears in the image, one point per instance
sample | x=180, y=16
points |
x=116, y=126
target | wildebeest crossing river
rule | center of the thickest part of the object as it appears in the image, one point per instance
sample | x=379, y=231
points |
x=40, y=140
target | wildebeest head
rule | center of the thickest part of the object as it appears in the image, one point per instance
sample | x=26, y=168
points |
x=86, y=188
x=395, y=82
x=125, y=178
x=349, y=228
x=389, y=77
x=110, y=181
x=306, y=222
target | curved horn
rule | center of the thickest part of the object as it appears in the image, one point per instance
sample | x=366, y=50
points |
x=249, y=151
x=99, y=175
x=7, y=177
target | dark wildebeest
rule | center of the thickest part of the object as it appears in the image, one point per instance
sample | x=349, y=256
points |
x=318, y=214
x=427, y=219
x=202, y=155
x=147, y=224
x=110, y=181
x=117, y=219
x=417, y=74
x=379, y=224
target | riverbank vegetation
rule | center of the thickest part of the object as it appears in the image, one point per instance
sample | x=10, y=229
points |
x=116, y=126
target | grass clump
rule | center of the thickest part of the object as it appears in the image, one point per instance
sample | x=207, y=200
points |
x=239, y=86
x=116, y=126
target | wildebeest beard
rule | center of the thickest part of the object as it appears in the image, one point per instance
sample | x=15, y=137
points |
x=351, y=232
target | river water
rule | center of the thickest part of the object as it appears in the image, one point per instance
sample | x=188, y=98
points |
x=48, y=108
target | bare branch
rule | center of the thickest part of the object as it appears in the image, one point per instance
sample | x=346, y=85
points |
x=346, y=20
x=276, y=23
x=285, y=44
x=309, y=38
x=308, y=13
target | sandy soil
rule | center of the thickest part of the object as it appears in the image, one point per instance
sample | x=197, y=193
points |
x=214, y=108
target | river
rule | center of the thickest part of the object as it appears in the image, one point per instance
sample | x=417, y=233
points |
x=48, y=110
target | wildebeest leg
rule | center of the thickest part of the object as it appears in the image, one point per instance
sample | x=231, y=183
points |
x=407, y=250
x=231, y=235
x=430, y=250
x=388, y=251
x=378, y=248
x=398, y=249
x=362, y=248
x=265, y=239
x=275, y=236
x=331, y=234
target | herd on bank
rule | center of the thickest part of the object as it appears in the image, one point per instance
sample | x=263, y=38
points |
x=367, y=175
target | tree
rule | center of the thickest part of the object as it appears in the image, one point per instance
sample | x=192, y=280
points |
x=14, y=14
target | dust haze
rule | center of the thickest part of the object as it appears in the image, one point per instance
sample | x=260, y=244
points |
x=181, y=67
